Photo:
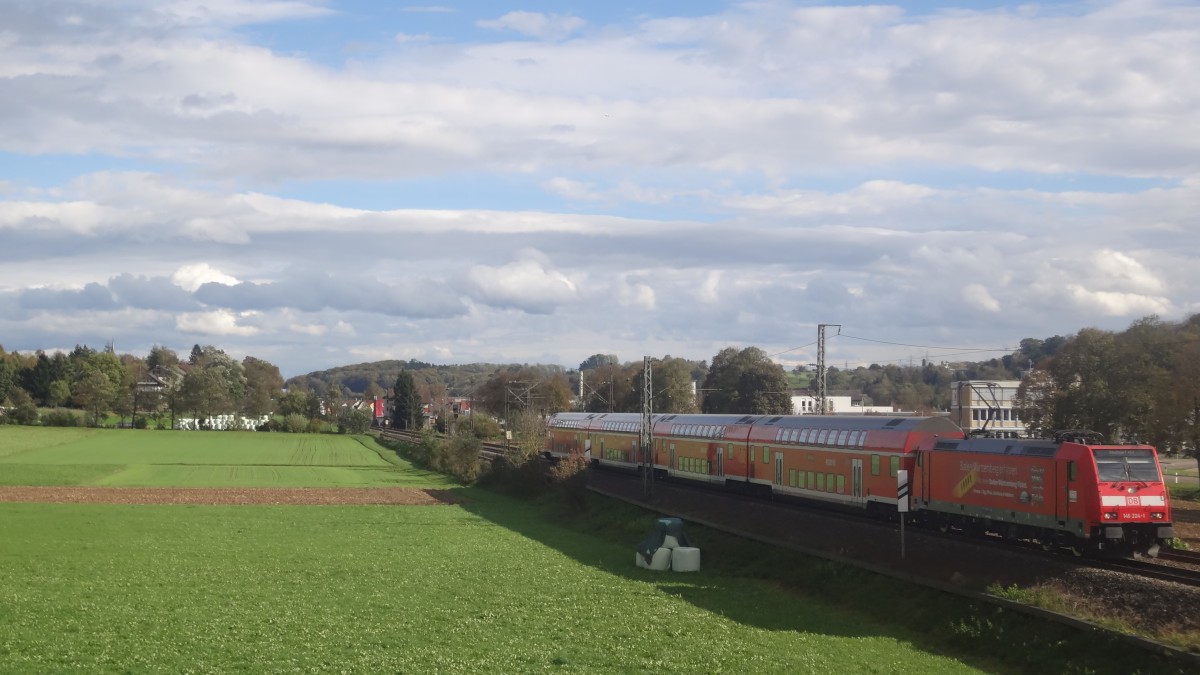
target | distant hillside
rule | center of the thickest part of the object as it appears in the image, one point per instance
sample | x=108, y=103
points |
x=458, y=380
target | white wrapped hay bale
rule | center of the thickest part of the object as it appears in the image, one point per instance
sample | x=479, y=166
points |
x=661, y=560
x=685, y=559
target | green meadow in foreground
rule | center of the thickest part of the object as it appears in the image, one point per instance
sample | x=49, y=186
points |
x=386, y=589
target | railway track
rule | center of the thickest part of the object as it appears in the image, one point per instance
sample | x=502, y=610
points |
x=1150, y=570
x=1180, y=555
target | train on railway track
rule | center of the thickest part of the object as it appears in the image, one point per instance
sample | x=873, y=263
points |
x=1071, y=492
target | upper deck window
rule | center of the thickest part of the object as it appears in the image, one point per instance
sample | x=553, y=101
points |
x=1126, y=465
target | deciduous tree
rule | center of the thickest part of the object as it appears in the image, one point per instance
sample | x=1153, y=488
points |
x=746, y=382
x=264, y=385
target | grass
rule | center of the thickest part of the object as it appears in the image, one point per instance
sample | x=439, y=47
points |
x=129, y=446
x=1190, y=493
x=47, y=456
x=16, y=440
x=386, y=589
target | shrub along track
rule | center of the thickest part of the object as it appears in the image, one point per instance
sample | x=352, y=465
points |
x=229, y=496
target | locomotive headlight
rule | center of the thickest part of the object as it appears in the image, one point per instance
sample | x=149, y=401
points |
x=1156, y=515
x=1131, y=489
x=1110, y=515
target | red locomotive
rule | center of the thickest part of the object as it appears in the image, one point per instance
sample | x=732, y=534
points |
x=1069, y=492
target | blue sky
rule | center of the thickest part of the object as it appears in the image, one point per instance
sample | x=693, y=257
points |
x=321, y=183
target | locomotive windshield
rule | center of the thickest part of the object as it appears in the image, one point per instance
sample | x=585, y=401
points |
x=1127, y=465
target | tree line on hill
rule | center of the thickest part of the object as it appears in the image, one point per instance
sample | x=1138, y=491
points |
x=207, y=383
x=1142, y=383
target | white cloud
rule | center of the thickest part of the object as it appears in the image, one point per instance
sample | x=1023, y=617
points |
x=526, y=285
x=978, y=296
x=710, y=290
x=634, y=293
x=1109, y=303
x=536, y=24
x=218, y=323
x=570, y=189
x=1120, y=270
x=192, y=277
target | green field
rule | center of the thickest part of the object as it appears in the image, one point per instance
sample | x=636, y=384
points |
x=491, y=585
x=46, y=456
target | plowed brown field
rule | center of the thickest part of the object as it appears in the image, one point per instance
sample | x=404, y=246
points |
x=293, y=496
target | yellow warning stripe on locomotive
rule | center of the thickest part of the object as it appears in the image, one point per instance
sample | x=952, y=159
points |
x=964, y=486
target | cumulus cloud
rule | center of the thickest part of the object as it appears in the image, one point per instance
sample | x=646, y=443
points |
x=977, y=296
x=526, y=285
x=536, y=24
x=632, y=292
x=214, y=323
x=1109, y=303
x=192, y=277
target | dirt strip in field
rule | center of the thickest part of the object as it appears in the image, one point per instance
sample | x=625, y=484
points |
x=248, y=496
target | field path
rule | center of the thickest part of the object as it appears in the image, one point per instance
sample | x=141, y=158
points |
x=249, y=496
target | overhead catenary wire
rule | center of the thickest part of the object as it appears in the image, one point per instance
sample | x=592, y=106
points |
x=955, y=351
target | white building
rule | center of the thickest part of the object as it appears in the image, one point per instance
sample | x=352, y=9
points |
x=805, y=403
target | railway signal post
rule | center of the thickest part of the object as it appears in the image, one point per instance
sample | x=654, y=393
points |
x=902, y=503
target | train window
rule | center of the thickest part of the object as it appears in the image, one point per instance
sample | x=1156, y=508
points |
x=842, y=438
x=812, y=480
x=829, y=482
x=841, y=485
x=766, y=454
x=821, y=482
x=821, y=436
x=874, y=465
x=791, y=477
x=729, y=450
x=895, y=467
x=1126, y=465
x=779, y=435
x=1071, y=470
x=862, y=440
x=853, y=439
